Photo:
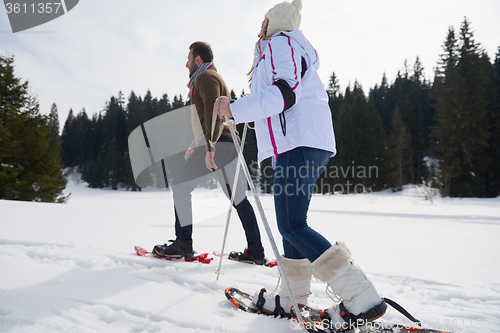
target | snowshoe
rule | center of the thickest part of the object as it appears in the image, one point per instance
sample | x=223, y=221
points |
x=175, y=249
x=248, y=257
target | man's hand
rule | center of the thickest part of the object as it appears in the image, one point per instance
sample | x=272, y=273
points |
x=209, y=161
x=188, y=153
x=224, y=110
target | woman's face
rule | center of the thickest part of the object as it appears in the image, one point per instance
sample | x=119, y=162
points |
x=263, y=29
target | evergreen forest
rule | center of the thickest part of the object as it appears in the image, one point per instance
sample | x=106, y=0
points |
x=443, y=133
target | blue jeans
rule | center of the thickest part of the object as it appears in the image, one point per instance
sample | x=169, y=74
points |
x=295, y=176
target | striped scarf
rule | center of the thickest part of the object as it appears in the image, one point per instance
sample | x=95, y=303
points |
x=203, y=67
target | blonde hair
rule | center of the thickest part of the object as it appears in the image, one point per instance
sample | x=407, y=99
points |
x=259, y=50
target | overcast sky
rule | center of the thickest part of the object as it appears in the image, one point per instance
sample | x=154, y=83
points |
x=101, y=47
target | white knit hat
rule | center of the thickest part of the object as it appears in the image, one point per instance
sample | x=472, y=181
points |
x=284, y=16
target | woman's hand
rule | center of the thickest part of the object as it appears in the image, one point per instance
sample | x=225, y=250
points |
x=224, y=110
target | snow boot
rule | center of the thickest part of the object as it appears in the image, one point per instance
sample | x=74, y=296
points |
x=360, y=302
x=247, y=257
x=175, y=249
x=299, y=276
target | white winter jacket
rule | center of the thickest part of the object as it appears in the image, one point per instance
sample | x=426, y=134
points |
x=288, y=101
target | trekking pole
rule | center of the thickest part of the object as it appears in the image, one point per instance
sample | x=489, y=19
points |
x=233, y=193
x=230, y=123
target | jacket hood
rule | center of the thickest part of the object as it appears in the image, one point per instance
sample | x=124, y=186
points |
x=299, y=37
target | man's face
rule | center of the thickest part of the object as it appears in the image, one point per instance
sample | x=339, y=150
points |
x=191, y=64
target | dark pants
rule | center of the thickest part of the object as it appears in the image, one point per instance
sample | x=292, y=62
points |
x=194, y=172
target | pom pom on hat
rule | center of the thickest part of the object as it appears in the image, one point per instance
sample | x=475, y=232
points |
x=284, y=16
x=297, y=4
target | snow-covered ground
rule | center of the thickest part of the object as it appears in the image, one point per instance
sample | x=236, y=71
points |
x=72, y=267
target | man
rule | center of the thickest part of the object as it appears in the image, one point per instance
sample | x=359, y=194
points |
x=206, y=85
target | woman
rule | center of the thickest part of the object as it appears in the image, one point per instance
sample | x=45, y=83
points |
x=293, y=125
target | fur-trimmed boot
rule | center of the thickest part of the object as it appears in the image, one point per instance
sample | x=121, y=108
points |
x=360, y=302
x=298, y=272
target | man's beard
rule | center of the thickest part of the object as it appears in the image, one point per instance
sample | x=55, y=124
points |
x=192, y=70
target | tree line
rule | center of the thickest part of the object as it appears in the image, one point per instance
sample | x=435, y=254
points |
x=98, y=146
x=444, y=133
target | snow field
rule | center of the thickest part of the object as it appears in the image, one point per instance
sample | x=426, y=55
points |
x=72, y=268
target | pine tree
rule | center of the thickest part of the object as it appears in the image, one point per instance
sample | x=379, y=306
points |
x=113, y=165
x=494, y=150
x=12, y=97
x=374, y=148
x=335, y=97
x=345, y=132
x=54, y=122
x=67, y=153
x=463, y=112
x=164, y=105
x=384, y=104
x=333, y=85
x=149, y=105
x=177, y=103
x=8, y=171
x=350, y=140
x=30, y=168
x=398, y=165
x=360, y=142
x=82, y=132
x=105, y=145
x=410, y=89
x=474, y=68
x=136, y=117
x=135, y=114
x=448, y=104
